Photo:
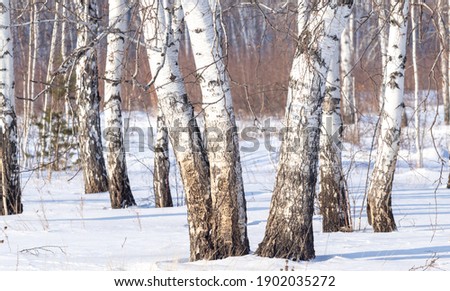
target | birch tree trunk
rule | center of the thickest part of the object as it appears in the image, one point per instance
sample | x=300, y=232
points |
x=417, y=101
x=448, y=52
x=119, y=184
x=46, y=130
x=444, y=63
x=347, y=52
x=11, y=192
x=162, y=45
x=88, y=101
x=229, y=219
x=64, y=55
x=379, y=204
x=289, y=230
x=334, y=204
x=32, y=76
x=161, y=185
x=383, y=24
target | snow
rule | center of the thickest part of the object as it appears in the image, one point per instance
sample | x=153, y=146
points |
x=63, y=229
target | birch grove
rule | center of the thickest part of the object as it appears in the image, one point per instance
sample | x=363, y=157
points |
x=209, y=74
x=379, y=204
x=11, y=193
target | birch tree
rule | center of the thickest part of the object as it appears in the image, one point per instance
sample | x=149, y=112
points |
x=64, y=55
x=28, y=103
x=448, y=55
x=347, y=54
x=289, y=230
x=119, y=184
x=334, y=204
x=46, y=129
x=229, y=220
x=161, y=171
x=88, y=100
x=179, y=117
x=444, y=62
x=417, y=101
x=382, y=8
x=379, y=204
x=11, y=192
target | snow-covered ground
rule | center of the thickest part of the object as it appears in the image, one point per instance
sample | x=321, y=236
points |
x=63, y=229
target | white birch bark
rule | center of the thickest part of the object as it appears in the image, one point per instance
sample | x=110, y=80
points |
x=383, y=25
x=46, y=130
x=162, y=50
x=347, y=53
x=379, y=205
x=32, y=76
x=10, y=178
x=64, y=55
x=229, y=220
x=119, y=184
x=289, y=232
x=448, y=56
x=161, y=170
x=88, y=101
x=443, y=43
x=334, y=204
x=417, y=102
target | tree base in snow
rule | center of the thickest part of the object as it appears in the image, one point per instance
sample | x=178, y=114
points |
x=381, y=218
x=276, y=246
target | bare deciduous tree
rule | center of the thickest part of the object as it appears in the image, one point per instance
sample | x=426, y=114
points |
x=161, y=185
x=379, y=204
x=11, y=193
x=180, y=121
x=119, y=184
x=347, y=53
x=334, y=204
x=229, y=220
x=88, y=100
x=289, y=230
